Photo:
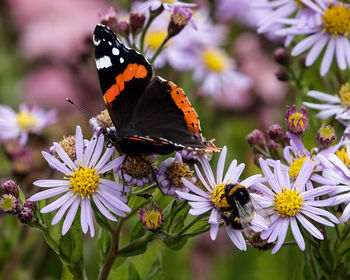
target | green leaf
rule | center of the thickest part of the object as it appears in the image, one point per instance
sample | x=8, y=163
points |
x=66, y=274
x=156, y=269
x=137, y=231
x=137, y=250
x=71, y=247
x=176, y=243
x=132, y=272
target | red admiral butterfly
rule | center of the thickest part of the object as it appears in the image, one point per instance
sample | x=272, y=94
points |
x=150, y=115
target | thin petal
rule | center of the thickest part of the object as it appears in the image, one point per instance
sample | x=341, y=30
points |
x=51, y=183
x=191, y=197
x=63, y=155
x=201, y=178
x=56, y=163
x=214, y=228
x=57, y=203
x=281, y=235
x=309, y=227
x=328, y=57
x=79, y=144
x=103, y=210
x=62, y=210
x=297, y=234
x=70, y=216
x=237, y=238
x=221, y=165
x=192, y=187
x=230, y=170
x=48, y=193
x=250, y=180
x=83, y=219
x=98, y=150
x=106, y=156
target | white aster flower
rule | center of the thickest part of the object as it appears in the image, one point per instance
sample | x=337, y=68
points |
x=338, y=106
x=211, y=200
x=290, y=203
x=26, y=121
x=82, y=184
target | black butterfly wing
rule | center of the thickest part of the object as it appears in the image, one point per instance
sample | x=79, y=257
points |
x=124, y=75
x=164, y=112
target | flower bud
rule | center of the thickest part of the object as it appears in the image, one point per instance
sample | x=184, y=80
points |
x=256, y=137
x=137, y=21
x=108, y=17
x=10, y=187
x=29, y=204
x=277, y=134
x=25, y=215
x=281, y=56
x=282, y=75
x=325, y=136
x=9, y=203
x=179, y=19
x=152, y=219
x=123, y=28
x=297, y=122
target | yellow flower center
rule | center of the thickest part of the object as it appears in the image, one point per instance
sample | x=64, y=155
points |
x=216, y=196
x=155, y=38
x=343, y=156
x=344, y=93
x=298, y=119
x=7, y=203
x=288, y=203
x=26, y=121
x=168, y=1
x=336, y=20
x=299, y=3
x=138, y=168
x=84, y=181
x=295, y=166
x=215, y=59
x=153, y=220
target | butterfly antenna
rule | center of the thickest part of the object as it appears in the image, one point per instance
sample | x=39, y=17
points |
x=80, y=108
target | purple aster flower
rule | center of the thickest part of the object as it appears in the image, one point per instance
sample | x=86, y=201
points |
x=136, y=171
x=296, y=154
x=338, y=106
x=289, y=203
x=297, y=122
x=338, y=170
x=27, y=120
x=82, y=184
x=152, y=219
x=202, y=201
x=170, y=173
x=331, y=31
x=168, y=5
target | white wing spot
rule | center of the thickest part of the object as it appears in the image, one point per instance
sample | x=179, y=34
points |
x=115, y=51
x=121, y=60
x=103, y=62
x=97, y=42
x=110, y=43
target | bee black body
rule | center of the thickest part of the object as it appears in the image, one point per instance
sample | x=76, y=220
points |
x=239, y=211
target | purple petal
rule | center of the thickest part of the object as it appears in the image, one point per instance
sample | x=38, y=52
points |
x=111, y=165
x=89, y=150
x=201, y=178
x=62, y=210
x=200, y=204
x=237, y=238
x=190, y=197
x=214, y=217
x=250, y=180
x=111, y=206
x=221, y=165
x=106, y=156
x=281, y=235
x=236, y=173
x=328, y=57
x=57, y=203
x=207, y=170
x=63, y=155
x=56, y=163
x=230, y=170
x=346, y=214
x=296, y=233
x=79, y=144
x=83, y=219
x=51, y=183
x=89, y=216
x=309, y=227
x=103, y=210
x=98, y=150
x=316, y=50
x=198, y=211
x=113, y=185
x=114, y=200
x=316, y=192
x=315, y=217
x=48, y=193
x=304, y=175
x=70, y=216
x=214, y=228
x=269, y=176
x=192, y=187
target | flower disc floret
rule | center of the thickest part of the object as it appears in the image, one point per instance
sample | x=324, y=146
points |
x=26, y=121
x=295, y=166
x=216, y=196
x=137, y=167
x=155, y=38
x=336, y=20
x=84, y=181
x=288, y=203
x=177, y=171
x=215, y=59
x=344, y=94
x=343, y=156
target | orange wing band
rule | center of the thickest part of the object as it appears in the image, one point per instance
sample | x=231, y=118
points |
x=133, y=70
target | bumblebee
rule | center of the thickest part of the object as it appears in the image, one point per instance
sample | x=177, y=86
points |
x=238, y=210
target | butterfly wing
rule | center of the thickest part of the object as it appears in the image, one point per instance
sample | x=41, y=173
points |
x=124, y=74
x=164, y=112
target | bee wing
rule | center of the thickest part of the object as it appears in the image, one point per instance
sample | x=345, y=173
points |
x=262, y=218
x=246, y=213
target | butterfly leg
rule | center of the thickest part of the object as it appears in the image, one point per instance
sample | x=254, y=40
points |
x=122, y=171
x=153, y=173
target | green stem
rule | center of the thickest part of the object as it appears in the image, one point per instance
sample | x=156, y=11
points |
x=167, y=38
x=195, y=220
x=313, y=266
x=151, y=187
x=143, y=34
x=136, y=243
x=112, y=253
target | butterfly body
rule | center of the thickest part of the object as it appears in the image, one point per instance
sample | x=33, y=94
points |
x=150, y=115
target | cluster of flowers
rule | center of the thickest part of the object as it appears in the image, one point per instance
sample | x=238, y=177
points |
x=325, y=22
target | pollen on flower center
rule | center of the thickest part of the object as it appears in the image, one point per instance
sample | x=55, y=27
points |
x=215, y=59
x=299, y=3
x=336, y=20
x=297, y=119
x=343, y=155
x=216, y=196
x=344, y=93
x=168, y=1
x=138, y=168
x=177, y=171
x=295, y=166
x=288, y=203
x=84, y=181
x=26, y=121
x=155, y=38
